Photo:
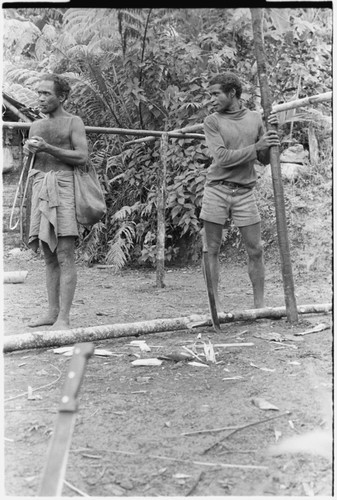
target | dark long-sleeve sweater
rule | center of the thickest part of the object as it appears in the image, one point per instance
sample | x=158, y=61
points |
x=231, y=139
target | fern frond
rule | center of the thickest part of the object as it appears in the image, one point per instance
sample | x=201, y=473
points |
x=18, y=34
x=121, y=244
x=23, y=94
x=125, y=212
x=20, y=75
x=132, y=20
x=90, y=244
x=85, y=24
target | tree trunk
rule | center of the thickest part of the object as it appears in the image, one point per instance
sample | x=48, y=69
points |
x=288, y=282
x=161, y=206
x=37, y=340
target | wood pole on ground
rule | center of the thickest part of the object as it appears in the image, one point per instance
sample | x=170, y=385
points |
x=42, y=339
x=281, y=222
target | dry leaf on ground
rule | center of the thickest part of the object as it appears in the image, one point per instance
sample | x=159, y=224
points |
x=195, y=363
x=269, y=336
x=146, y=362
x=263, y=404
x=141, y=344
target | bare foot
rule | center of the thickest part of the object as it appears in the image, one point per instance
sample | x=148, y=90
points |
x=60, y=325
x=43, y=320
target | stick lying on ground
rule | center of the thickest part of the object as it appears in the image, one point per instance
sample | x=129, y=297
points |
x=181, y=460
x=40, y=339
x=287, y=413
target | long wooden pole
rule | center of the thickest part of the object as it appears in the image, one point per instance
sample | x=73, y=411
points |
x=284, y=106
x=36, y=340
x=185, y=132
x=299, y=103
x=117, y=131
x=281, y=222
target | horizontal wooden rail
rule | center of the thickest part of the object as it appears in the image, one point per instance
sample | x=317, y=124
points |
x=277, y=108
x=117, y=131
x=183, y=133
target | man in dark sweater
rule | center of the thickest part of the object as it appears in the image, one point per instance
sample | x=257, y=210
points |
x=236, y=138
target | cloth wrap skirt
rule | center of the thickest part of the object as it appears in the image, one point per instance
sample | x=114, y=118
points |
x=53, y=207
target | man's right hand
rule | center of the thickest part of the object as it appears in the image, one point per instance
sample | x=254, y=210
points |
x=27, y=147
x=268, y=139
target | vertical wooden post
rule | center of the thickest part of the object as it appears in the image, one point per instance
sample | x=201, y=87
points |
x=313, y=146
x=161, y=206
x=288, y=282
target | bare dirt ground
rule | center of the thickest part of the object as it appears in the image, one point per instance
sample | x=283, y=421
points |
x=130, y=434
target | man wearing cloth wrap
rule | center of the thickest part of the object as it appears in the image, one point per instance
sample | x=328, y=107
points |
x=59, y=143
x=236, y=138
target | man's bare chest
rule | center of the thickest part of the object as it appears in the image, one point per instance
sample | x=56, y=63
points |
x=54, y=131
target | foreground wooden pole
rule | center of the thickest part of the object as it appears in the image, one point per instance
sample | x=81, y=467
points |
x=41, y=339
x=281, y=222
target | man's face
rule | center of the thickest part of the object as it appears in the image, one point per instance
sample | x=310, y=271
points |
x=221, y=101
x=48, y=100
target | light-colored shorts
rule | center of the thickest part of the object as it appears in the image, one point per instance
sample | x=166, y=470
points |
x=220, y=202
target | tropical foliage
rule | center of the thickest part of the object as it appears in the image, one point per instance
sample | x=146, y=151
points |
x=148, y=69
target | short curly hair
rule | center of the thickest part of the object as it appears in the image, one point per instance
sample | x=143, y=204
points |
x=61, y=85
x=227, y=82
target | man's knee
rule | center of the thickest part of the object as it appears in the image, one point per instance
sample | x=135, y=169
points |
x=255, y=252
x=65, y=252
x=65, y=256
x=50, y=257
x=213, y=247
x=213, y=235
